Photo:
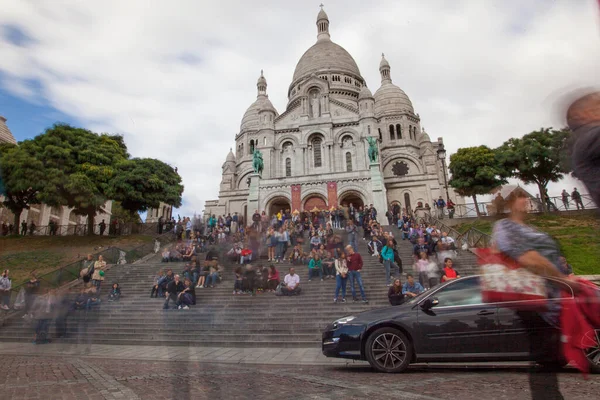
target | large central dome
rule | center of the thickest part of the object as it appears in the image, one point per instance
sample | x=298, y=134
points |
x=325, y=56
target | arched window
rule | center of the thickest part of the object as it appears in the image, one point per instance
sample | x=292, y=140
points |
x=392, y=132
x=251, y=148
x=369, y=129
x=398, y=131
x=380, y=137
x=288, y=167
x=410, y=131
x=265, y=140
x=348, y=162
x=317, y=152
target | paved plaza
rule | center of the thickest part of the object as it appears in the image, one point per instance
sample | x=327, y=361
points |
x=58, y=371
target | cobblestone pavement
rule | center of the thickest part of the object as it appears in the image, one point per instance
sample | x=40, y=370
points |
x=80, y=377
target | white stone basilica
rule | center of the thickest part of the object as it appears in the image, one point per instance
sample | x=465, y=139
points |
x=316, y=153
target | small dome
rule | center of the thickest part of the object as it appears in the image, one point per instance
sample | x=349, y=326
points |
x=425, y=137
x=384, y=63
x=230, y=156
x=322, y=15
x=365, y=93
x=251, y=120
x=390, y=99
x=261, y=80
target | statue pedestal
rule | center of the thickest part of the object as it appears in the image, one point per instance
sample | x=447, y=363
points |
x=378, y=192
x=253, y=198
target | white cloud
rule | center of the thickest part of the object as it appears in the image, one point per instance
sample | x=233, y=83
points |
x=176, y=78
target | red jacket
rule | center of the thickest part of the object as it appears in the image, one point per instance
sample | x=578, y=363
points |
x=354, y=262
x=578, y=318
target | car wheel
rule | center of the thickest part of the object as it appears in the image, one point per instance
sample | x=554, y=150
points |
x=593, y=354
x=388, y=350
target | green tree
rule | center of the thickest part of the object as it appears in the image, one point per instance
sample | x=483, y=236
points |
x=22, y=176
x=538, y=157
x=79, y=166
x=475, y=170
x=142, y=183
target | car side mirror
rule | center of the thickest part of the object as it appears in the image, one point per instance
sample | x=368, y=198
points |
x=429, y=304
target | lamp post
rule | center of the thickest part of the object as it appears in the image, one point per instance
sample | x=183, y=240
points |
x=441, y=152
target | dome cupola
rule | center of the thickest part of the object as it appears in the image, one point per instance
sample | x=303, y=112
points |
x=389, y=98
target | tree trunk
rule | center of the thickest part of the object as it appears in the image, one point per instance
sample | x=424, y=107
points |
x=542, y=190
x=90, y=221
x=476, y=205
x=17, y=220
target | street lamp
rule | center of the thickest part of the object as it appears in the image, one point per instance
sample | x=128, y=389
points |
x=441, y=152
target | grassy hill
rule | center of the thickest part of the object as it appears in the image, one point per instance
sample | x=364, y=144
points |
x=578, y=236
x=42, y=254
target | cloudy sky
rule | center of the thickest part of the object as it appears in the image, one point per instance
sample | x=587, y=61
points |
x=176, y=77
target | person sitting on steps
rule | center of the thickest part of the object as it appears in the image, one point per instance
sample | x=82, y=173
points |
x=173, y=289
x=187, y=297
x=315, y=267
x=291, y=284
x=411, y=288
x=115, y=292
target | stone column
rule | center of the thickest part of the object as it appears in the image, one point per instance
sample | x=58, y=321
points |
x=253, y=193
x=378, y=191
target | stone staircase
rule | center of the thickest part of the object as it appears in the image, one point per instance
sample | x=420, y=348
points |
x=221, y=319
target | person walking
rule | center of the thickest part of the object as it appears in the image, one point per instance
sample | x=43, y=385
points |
x=538, y=253
x=5, y=286
x=352, y=232
x=576, y=196
x=355, y=264
x=565, y=199
x=387, y=253
x=440, y=204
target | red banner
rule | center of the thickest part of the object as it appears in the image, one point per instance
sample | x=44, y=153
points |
x=332, y=197
x=296, y=198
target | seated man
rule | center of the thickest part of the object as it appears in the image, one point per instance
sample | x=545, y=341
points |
x=448, y=241
x=297, y=255
x=245, y=256
x=249, y=279
x=411, y=288
x=166, y=255
x=421, y=247
x=173, y=289
x=291, y=284
x=448, y=272
x=328, y=266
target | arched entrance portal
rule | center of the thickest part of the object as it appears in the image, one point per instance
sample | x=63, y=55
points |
x=315, y=202
x=278, y=204
x=352, y=197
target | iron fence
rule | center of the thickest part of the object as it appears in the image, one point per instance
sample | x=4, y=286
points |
x=123, y=229
x=554, y=204
x=471, y=238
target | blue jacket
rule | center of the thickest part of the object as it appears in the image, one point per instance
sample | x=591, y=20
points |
x=387, y=253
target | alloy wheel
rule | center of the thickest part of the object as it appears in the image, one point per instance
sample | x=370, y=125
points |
x=593, y=353
x=389, y=350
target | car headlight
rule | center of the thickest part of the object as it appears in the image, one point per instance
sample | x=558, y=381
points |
x=344, y=320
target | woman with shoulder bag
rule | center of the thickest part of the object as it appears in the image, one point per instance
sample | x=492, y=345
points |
x=98, y=275
x=341, y=277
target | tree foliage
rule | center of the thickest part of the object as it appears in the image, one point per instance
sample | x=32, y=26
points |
x=475, y=171
x=538, y=157
x=79, y=166
x=22, y=176
x=142, y=183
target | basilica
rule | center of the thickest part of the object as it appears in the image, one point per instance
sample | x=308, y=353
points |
x=316, y=152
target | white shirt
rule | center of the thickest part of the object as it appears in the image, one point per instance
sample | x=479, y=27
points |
x=291, y=281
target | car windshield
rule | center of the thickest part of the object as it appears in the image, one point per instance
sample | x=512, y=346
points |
x=419, y=297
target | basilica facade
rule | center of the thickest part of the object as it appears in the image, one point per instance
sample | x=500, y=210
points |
x=315, y=152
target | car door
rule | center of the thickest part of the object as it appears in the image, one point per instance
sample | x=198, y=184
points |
x=513, y=337
x=459, y=325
